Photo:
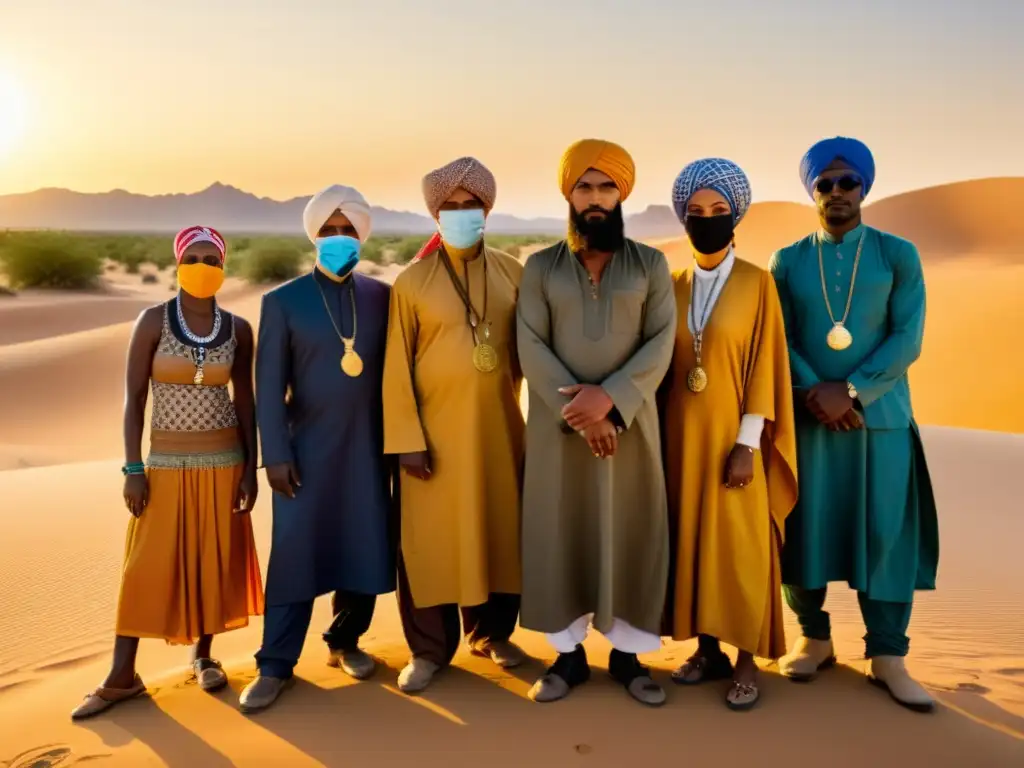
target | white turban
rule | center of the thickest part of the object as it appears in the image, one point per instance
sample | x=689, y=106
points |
x=337, y=198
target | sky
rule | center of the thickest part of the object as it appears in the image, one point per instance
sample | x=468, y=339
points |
x=283, y=97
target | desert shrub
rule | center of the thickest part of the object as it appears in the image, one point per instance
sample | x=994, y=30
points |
x=372, y=250
x=273, y=263
x=407, y=247
x=132, y=267
x=150, y=278
x=49, y=260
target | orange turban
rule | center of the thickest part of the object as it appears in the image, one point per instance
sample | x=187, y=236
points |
x=603, y=156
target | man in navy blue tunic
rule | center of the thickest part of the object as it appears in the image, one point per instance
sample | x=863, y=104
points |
x=319, y=369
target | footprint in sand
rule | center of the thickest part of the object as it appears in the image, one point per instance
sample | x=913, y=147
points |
x=49, y=756
x=1011, y=671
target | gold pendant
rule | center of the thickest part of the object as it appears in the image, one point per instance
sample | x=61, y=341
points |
x=351, y=363
x=198, y=377
x=839, y=338
x=697, y=379
x=485, y=359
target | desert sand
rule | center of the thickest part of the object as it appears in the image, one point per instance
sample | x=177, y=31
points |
x=62, y=537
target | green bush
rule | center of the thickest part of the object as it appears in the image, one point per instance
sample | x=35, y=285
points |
x=273, y=263
x=372, y=250
x=49, y=260
x=408, y=247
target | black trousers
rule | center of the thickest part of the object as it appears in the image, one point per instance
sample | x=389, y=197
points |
x=433, y=633
x=285, y=628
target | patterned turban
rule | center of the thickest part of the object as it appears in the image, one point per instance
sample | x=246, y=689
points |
x=604, y=156
x=192, y=235
x=719, y=174
x=347, y=200
x=850, y=151
x=466, y=173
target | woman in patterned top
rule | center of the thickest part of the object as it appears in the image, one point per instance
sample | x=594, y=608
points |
x=190, y=568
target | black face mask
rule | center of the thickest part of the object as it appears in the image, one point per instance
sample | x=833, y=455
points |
x=710, y=234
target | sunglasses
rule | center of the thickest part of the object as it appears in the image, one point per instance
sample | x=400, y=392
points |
x=845, y=183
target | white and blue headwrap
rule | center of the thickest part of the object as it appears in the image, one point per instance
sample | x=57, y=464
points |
x=719, y=174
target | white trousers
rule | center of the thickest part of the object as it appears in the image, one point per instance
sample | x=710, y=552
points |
x=623, y=637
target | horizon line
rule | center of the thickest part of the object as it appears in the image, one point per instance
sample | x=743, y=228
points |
x=279, y=201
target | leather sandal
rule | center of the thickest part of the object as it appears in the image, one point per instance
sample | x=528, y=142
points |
x=742, y=696
x=102, y=699
x=209, y=674
x=706, y=668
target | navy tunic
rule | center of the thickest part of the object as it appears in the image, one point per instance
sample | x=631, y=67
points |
x=339, y=531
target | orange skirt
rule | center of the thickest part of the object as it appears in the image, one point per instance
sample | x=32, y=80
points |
x=190, y=565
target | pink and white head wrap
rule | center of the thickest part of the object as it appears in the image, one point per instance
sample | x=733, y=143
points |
x=192, y=235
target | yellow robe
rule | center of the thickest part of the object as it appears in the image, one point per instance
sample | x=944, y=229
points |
x=460, y=527
x=726, y=543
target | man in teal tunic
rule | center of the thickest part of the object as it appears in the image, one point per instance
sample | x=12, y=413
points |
x=853, y=298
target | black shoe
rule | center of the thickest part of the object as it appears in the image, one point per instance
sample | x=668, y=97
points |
x=568, y=671
x=572, y=667
x=626, y=669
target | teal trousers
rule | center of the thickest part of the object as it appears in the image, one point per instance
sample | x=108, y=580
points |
x=886, y=622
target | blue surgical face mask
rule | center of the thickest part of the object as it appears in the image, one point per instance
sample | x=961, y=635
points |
x=337, y=254
x=462, y=228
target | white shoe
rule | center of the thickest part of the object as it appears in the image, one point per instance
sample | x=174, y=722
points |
x=890, y=673
x=416, y=675
x=807, y=658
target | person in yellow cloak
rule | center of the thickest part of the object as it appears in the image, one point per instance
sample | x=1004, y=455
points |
x=730, y=442
x=451, y=414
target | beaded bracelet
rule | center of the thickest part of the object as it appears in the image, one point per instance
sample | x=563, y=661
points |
x=136, y=468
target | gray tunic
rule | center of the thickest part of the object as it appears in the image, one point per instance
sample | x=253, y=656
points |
x=339, y=530
x=595, y=531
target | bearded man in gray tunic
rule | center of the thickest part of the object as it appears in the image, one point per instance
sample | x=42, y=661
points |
x=596, y=322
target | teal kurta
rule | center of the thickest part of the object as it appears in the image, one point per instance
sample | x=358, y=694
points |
x=866, y=512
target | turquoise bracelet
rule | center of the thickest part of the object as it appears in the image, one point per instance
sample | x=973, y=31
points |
x=137, y=468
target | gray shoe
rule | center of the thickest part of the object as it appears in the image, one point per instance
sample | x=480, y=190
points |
x=417, y=675
x=550, y=687
x=262, y=692
x=502, y=652
x=354, y=663
x=646, y=691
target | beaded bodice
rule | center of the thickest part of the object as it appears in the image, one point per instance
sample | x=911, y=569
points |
x=179, y=405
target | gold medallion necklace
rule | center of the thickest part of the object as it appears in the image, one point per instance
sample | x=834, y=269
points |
x=839, y=336
x=485, y=357
x=697, y=377
x=351, y=363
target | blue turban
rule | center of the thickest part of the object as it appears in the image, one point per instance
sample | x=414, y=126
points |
x=851, y=151
x=723, y=176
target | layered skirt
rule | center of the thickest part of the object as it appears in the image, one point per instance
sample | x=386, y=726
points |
x=190, y=565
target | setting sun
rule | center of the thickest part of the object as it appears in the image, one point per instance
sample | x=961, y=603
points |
x=12, y=113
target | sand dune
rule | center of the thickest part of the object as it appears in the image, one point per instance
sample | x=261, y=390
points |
x=60, y=571
x=980, y=217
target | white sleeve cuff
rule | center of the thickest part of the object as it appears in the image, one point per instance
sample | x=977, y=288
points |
x=751, y=426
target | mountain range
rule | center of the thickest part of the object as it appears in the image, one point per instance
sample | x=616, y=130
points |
x=977, y=216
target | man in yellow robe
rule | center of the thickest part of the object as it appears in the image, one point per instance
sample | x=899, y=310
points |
x=730, y=442
x=596, y=321
x=452, y=414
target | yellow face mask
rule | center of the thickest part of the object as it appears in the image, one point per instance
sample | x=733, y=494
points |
x=200, y=280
